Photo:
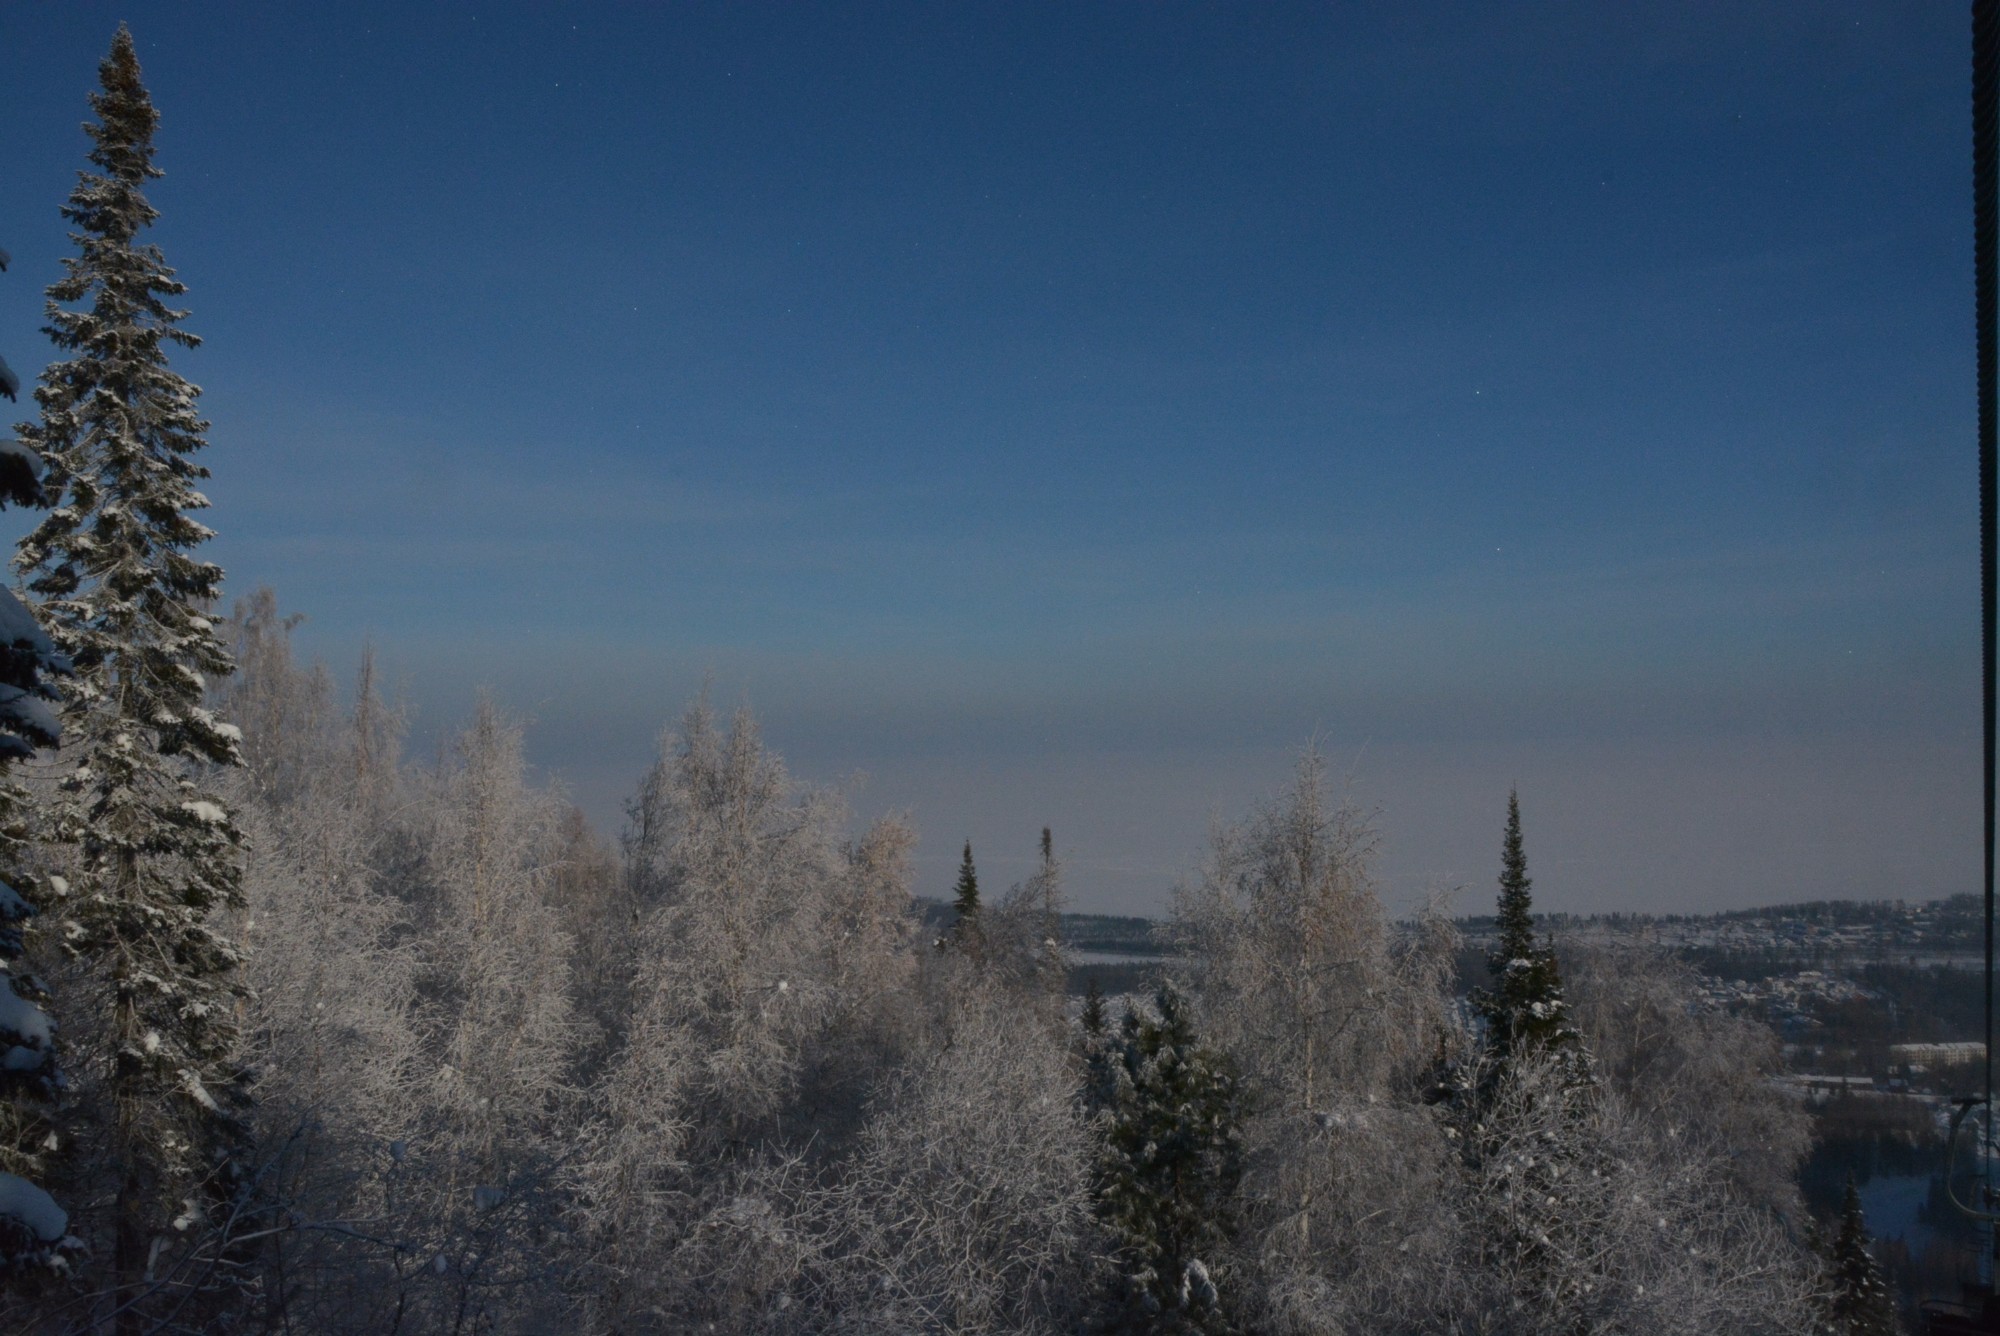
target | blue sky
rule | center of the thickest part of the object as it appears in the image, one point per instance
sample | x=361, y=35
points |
x=1062, y=413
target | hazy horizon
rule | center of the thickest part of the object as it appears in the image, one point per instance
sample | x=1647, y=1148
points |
x=1063, y=415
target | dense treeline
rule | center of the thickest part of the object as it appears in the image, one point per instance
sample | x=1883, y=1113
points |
x=507, y=1078
x=326, y=1039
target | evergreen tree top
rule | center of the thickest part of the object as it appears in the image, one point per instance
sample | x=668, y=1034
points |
x=966, y=934
x=1525, y=1006
x=966, y=897
x=1093, y=1018
x=1516, y=917
x=126, y=117
x=122, y=594
x=109, y=211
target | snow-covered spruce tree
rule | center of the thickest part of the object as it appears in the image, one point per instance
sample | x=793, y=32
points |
x=1861, y=1304
x=1525, y=1008
x=1168, y=1175
x=966, y=936
x=152, y=855
x=1093, y=1021
x=1524, y=1116
x=1590, y=1205
x=32, y=1232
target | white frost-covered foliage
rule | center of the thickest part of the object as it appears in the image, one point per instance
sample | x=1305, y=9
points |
x=497, y=957
x=1510, y=1198
x=965, y=1207
x=1021, y=937
x=414, y=1028
x=1585, y=1217
x=962, y=1206
x=770, y=960
x=1703, y=1076
x=334, y=974
x=490, y=1121
x=330, y=1025
x=1333, y=1021
x=1294, y=955
x=736, y=871
x=785, y=1115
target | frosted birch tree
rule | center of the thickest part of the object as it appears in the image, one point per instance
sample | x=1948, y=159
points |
x=331, y=1026
x=1704, y=1079
x=771, y=953
x=965, y=1206
x=735, y=866
x=1584, y=1219
x=497, y=954
x=1299, y=976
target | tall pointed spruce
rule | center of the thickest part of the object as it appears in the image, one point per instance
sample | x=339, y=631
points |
x=1525, y=1008
x=1861, y=1304
x=965, y=930
x=152, y=854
